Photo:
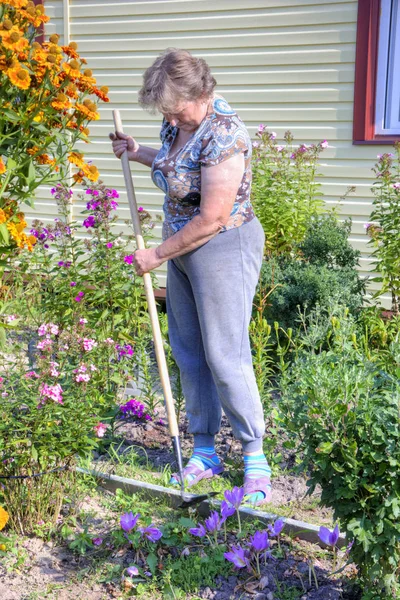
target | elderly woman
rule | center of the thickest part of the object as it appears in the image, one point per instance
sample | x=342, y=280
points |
x=214, y=247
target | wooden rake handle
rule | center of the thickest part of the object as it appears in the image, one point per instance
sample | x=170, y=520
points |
x=148, y=286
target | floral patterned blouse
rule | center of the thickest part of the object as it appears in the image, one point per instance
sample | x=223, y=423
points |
x=221, y=134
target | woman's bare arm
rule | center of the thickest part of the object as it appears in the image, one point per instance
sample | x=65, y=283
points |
x=219, y=188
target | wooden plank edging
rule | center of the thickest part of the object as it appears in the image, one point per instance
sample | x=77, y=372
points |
x=301, y=529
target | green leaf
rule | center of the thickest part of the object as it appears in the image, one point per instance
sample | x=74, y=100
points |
x=152, y=562
x=4, y=235
x=325, y=448
x=34, y=453
x=186, y=522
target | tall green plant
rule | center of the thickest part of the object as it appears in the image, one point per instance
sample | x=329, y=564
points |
x=384, y=230
x=285, y=191
x=342, y=408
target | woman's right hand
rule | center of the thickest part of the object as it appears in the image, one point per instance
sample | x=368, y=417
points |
x=122, y=142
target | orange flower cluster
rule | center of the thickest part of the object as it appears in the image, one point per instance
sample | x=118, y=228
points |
x=53, y=77
x=16, y=224
x=85, y=170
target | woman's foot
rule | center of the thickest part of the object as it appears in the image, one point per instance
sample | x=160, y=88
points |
x=257, y=480
x=203, y=464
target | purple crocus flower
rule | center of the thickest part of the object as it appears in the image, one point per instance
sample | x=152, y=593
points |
x=213, y=522
x=234, y=497
x=151, y=533
x=276, y=528
x=238, y=556
x=227, y=510
x=329, y=537
x=132, y=571
x=198, y=531
x=259, y=541
x=128, y=521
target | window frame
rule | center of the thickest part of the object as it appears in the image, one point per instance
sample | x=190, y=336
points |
x=366, y=73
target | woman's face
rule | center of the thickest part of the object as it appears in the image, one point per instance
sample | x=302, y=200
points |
x=188, y=115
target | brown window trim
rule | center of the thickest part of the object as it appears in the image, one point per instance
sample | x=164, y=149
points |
x=365, y=76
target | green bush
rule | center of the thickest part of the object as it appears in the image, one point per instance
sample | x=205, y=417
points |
x=342, y=409
x=323, y=270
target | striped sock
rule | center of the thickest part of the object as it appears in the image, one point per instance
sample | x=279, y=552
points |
x=204, y=458
x=256, y=466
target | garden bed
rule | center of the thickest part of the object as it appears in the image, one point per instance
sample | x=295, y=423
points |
x=71, y=566
x=145, y=453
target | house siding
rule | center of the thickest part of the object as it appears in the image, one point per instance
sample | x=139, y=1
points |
x=286, y=63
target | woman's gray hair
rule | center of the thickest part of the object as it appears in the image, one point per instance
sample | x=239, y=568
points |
x=174, y=76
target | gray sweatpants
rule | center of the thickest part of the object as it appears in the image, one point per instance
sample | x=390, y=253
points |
x=209, y=301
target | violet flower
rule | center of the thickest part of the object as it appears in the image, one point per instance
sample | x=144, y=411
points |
x=238, y=556
x=234, y=496
x=227, y=510
x=276, y=528
x=128, y=521
x=132, y=571
x=89, y=222
x=213, y=523
x=151, y=533
x=198, y=531
x=259, y=541
x=97, y=541
x=328, y=537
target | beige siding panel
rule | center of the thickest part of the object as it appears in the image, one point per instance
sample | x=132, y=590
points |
x=286, y=63
x=146, y=7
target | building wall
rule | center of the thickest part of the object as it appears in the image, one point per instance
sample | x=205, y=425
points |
x=286, y=63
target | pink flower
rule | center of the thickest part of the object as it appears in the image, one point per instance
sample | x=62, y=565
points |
x=367, y=226
x=109, y=245
x=256, y=144
x=279, y=148
x=85, y=377
x=81, y=374
x=140, y=209
x=73, y=283
x=88, y=344
x=129, y=259
x=31, y=375
x=93, y=368
x=10, y=318
x=78, y=299
x=396, y=185
x=272, y=135
x=261, y=128
x=44, y=344
x=82, y=321
x=324, y=144
x=109, y=341
x=42, y=329
x=100, y=429
x=53, y=370
x=52, y=392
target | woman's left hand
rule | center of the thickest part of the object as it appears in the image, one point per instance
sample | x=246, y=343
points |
x=146, y=260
